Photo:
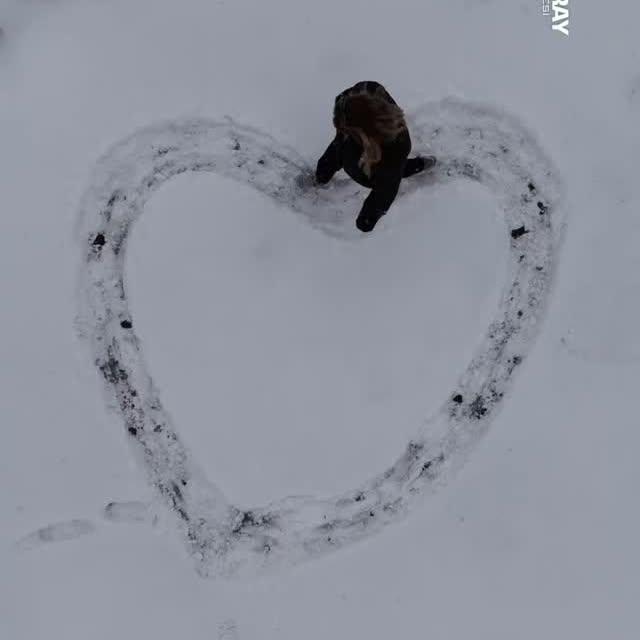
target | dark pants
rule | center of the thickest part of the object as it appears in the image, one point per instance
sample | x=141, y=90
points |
x=345, y=152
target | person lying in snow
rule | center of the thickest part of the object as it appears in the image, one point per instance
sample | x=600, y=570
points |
x=372, y=145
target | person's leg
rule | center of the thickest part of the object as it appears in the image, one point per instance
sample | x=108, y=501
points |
x=418, y=164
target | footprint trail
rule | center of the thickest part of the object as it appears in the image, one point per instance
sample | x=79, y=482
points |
x=472, y=142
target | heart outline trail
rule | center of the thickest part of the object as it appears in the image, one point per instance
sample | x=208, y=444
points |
x=472, y=142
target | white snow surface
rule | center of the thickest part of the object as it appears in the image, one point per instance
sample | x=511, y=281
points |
x=287, y=387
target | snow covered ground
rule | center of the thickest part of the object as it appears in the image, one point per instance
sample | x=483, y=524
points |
x=294, y=357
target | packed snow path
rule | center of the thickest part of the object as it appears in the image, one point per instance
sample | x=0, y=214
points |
x=471, y=142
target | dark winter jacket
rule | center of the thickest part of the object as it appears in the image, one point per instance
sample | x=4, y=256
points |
x=344, y=153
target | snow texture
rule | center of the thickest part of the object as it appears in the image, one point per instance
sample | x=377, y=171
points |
x=472, y=142
x=56, y=532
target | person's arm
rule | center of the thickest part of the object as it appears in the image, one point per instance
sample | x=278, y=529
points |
x=330, y=162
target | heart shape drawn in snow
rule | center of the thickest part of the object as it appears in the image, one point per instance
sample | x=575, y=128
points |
x=472, y=142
